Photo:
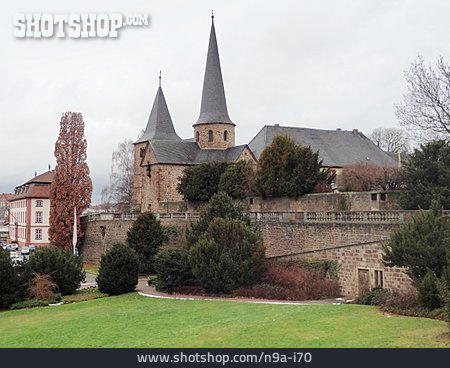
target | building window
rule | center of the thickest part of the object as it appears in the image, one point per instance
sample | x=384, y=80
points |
x=382, y=196
x=142, y=152
x=198, y=136
x=39, y=203
x=210, y=136
x=373, y=196
x=225, y=135
x=38, y=234
x=378, y=278
x=38, y=217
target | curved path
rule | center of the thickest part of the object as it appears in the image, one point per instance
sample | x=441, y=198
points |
x=150, y=292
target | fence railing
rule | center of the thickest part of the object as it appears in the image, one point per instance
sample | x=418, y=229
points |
x=373, y=217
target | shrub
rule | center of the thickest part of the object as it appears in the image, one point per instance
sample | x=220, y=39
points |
x=152, y=281
x=290, y=282
x=119, y=270
x=228, y=255
x=10, y=288
x=65, y=269
x=238, y=180
x=32, y=303
x=402, y=300
x=42, y=287
x=420, y=244
x=428, y=292
x=175, y=262
x=375, y=296
x=286, y=169
x=146, y=236
x=220, y=206
x=363, y=176
x=201, y=182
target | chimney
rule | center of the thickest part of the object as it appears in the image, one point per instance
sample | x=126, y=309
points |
x=338, y=129
x=355, y=131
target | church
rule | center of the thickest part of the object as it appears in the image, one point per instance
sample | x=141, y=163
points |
x=161, y=156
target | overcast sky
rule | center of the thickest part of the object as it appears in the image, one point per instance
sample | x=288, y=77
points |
x=320, y=64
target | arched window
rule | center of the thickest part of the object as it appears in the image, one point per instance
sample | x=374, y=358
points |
x=198, y=136
x=210, y=136
x=225, y=135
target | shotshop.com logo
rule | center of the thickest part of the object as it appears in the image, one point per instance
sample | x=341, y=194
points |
x=74, y=25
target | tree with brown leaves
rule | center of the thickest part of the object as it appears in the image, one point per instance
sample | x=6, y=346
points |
x=72, y=185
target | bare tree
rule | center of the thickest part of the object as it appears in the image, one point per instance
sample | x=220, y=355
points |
x=426, y=107
x=119, y=192
x=390, y=139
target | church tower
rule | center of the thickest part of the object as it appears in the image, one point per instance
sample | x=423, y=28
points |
x=214, y=128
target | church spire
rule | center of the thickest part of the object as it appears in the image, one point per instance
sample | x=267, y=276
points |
x=214, y=106
x=159, y=125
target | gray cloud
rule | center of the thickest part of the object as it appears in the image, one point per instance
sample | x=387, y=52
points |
x=323, y=64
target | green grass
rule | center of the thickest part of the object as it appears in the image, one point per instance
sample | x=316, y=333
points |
x=134, y=321
x=91, y=268
x=84, y=295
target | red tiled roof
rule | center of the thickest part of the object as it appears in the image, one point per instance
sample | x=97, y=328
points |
x=46, y=177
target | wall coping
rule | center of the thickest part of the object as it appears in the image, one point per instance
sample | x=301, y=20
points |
x=361, y=217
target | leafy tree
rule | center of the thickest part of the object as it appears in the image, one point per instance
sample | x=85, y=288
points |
x=219, y=206
x=427, y=176
x=175, y=262
x=146, y=236
x=363, y=176
x=228, y=255
x=118, y=271
x=420, y=245
x=238, y=180
x=120, y=190
x=72, y=185
x=286, y=169
x=10, y=287
x=390, y=139
x=65, y=269
x=425, y=109
x=201, y=182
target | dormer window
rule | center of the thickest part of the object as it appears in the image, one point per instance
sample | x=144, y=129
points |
x=225, y=135
x=210, y=136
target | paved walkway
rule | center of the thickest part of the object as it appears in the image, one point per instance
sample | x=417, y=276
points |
x=149, y=291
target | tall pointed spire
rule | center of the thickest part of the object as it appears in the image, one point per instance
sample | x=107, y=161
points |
x=159, y=125
x=214, y=106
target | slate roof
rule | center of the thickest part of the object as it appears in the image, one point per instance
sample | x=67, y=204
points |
x=337, y=148
x=214, y=106
x=159, y=125
x=189, y=153
x=37, y=187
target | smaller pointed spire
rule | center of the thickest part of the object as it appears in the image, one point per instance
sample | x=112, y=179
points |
x=159, y=125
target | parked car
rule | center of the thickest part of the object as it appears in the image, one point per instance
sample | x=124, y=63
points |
x=32, y=248
x=25, y=251
x=14, y=254
x=14, y=246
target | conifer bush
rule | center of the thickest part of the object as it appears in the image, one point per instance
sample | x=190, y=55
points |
x=146, y=236
x=428, y=292
x=119, y=270
x=9, y=281
x=65, y=269
x=227, y=256
x=175, y=262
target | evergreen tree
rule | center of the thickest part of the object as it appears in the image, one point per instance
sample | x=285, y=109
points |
x=72, y=185
x=286, y=169
x=227, y=256
x=119, y=269
x=428, y=292
x=201, y=182
x=146, y=236
x=238, y=180
x=10, y=288
x=220, y=206
x=421, y=244
x=427, y=176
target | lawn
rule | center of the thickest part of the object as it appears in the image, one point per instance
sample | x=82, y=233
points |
x=134, y=321
x=91, y=268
